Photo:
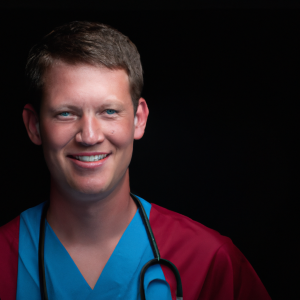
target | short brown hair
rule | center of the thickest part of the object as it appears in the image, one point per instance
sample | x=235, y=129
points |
x=84, y=42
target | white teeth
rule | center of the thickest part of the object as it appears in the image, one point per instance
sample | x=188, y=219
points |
x=91, y=157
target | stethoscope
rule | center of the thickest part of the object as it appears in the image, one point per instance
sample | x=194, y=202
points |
x=157, y=259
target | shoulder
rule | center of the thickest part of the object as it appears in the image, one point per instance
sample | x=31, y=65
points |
x=206, y=260
x=9, y=241
x=9, y=233
x=180, y=229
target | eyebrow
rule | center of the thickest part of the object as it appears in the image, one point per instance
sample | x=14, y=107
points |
x=62, y=107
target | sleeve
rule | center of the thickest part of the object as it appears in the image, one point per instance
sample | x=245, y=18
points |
x=231, y=277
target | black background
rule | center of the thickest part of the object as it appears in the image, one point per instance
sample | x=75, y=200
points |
x=222, y=90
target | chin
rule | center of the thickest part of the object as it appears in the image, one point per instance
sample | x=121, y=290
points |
x=90, y=187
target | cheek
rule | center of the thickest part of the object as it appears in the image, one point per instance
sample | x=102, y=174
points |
x=55, y=137
x=120, y=135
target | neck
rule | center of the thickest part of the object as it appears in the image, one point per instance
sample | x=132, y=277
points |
x=89, y=222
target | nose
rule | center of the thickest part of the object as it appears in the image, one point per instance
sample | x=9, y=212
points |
x=90, y=132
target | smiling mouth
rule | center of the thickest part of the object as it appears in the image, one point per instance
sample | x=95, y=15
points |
x=90, y=157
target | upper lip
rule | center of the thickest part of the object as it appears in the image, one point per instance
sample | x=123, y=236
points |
x=88, y=153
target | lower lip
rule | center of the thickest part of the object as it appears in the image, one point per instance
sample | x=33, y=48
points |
x=89, y=164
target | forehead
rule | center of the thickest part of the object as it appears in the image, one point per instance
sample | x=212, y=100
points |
x=84, y=83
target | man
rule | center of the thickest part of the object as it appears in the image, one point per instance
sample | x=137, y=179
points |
x=89, y=241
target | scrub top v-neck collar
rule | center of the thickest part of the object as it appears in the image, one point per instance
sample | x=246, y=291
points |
x=119, y=278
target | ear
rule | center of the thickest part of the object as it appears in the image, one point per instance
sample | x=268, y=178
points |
x=31, y=122
x=141, y=119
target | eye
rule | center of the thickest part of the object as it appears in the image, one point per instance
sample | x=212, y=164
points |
x=65, y=114
x=110, y=111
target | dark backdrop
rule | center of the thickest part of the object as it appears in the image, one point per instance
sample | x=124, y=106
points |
x=221, y=90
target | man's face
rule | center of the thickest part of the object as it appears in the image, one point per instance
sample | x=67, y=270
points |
x=87, y=111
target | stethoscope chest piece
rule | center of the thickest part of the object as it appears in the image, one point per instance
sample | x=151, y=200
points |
x=171, y=266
